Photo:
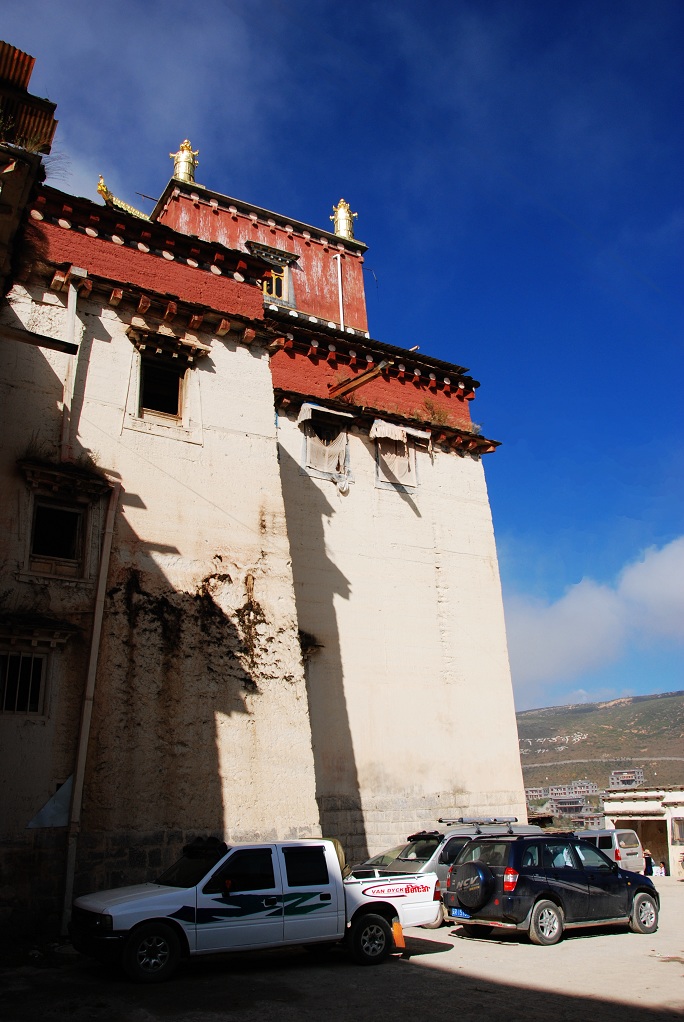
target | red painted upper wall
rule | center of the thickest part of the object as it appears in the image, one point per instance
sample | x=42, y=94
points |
x=313, y=275
x=62, y=230
x=392, y=393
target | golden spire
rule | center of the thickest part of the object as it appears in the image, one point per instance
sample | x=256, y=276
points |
x=344, y=219
x=184, y=162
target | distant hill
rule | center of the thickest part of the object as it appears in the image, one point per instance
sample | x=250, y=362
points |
x=559, y=744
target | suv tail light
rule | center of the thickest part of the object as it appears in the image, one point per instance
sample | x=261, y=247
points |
x=437, y=895
x=617, y=855
x=510, y=879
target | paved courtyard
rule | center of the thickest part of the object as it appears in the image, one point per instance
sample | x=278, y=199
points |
x=609, y=976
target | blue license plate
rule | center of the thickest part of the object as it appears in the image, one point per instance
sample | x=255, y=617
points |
x=458, y=913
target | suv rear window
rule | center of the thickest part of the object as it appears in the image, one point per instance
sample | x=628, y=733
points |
x=627, y=839
x=492, y=853
x=420, y=850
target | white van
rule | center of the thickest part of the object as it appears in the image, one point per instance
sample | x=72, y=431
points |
x=622, y=846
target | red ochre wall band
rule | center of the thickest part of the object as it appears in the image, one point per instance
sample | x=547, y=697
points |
x=144, y=270
x=404, y=397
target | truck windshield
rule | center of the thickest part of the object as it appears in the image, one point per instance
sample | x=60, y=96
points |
x=192, y=867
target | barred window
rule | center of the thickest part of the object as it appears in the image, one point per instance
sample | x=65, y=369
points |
x=22, y=682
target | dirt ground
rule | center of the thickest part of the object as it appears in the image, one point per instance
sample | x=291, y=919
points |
x=610, y=976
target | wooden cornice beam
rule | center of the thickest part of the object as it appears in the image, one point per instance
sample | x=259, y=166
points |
x=358, y=381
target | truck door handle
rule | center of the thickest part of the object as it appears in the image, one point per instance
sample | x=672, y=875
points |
x=326, y=897
x=269, y=902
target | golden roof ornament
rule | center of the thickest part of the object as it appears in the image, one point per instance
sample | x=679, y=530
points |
x=114, y=203
x=344, y=220
x=184, y=162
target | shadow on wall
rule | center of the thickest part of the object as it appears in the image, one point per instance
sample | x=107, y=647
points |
x=317, y=583
x=169, y=663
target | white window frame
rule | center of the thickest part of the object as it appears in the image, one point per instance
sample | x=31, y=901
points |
x=384, y=431
x=186, y=427
x=309, y=412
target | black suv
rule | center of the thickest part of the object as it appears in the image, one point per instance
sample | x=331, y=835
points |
x=544, y=885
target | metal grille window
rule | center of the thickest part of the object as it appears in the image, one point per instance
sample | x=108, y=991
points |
x=22, y=682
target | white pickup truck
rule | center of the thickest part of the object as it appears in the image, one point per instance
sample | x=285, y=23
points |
x=245, y=897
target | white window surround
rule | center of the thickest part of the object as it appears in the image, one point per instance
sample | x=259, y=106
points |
x=396, y=465
x=321, y=460
x=187, y=427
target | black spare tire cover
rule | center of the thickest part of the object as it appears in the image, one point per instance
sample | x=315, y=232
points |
x=473, y=884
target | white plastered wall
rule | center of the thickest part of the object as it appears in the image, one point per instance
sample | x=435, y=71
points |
x=410, y=691
x=175, y=743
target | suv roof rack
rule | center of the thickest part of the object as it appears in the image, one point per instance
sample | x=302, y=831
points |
x=481, y=821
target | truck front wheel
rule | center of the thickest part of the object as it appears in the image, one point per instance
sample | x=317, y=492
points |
x=151, y=953
x=370, y=939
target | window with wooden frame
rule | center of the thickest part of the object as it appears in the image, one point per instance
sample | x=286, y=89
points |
x=277, y=283
x=60, y=518
x=58, y=537
x=161, y=386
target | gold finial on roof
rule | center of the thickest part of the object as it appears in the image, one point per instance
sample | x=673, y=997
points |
x=343, y=219
x=103, y=190
x=114, y=203
x=184, y=162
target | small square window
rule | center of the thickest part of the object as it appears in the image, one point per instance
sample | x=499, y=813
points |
x=678, y=830
x=57, y=538
x=22, y=683
x=161, y=387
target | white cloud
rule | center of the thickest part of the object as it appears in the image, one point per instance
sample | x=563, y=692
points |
x=592, y=626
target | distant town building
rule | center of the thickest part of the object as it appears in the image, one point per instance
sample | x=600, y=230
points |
x=573, y=789
x=657, y=815
x=626, y=778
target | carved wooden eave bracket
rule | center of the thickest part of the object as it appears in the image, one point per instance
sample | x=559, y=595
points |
x=35, y=631
x=66, y=481
x=160, y=339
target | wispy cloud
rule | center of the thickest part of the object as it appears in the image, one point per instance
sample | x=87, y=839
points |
x=592, y=626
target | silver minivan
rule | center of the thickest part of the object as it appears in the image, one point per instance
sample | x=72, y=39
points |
x=622, y=846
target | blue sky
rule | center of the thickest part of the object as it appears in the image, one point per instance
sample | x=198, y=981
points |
x=516, y=166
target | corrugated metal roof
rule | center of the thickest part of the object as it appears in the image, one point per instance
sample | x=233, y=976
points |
x=15, y=67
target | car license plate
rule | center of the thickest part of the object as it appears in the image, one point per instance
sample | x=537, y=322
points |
x=458, y=913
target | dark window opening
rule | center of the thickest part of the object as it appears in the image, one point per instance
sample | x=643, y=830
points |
x=57, y=532
x=160, y=388
x=275, y=284
x=306, y=867
x=250, y=869
x=21, y=683
x=327, y=432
